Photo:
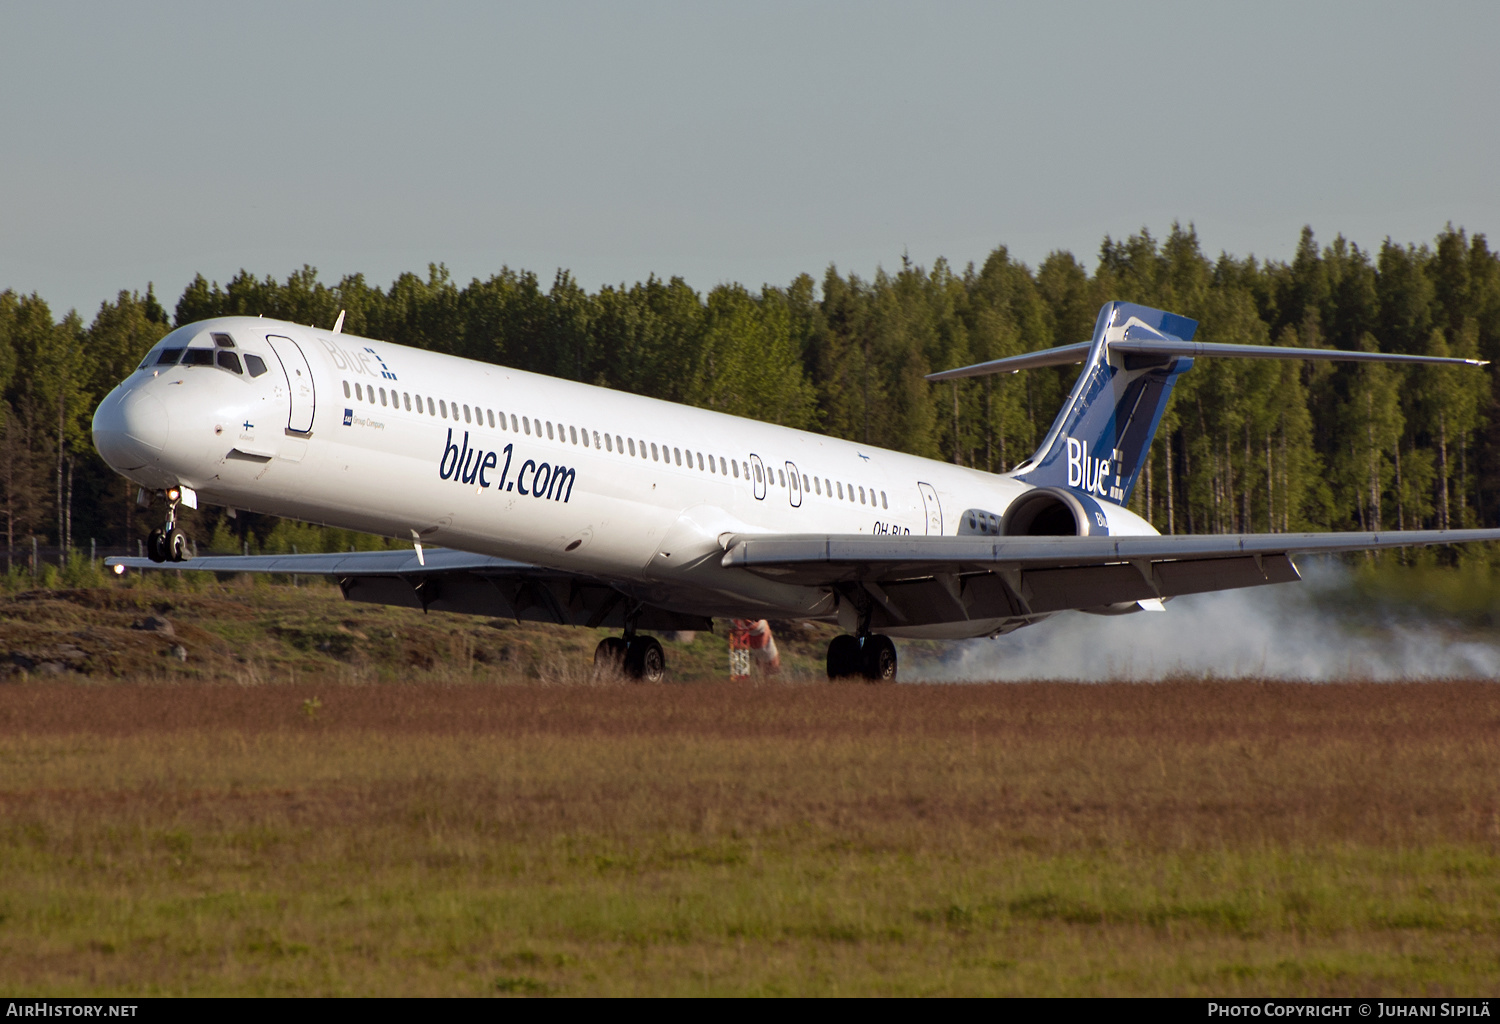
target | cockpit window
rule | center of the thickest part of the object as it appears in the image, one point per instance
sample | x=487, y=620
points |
x=230, y=362
x=198, y=357
x=255, y=364
x=223, y=341
x=169, y=356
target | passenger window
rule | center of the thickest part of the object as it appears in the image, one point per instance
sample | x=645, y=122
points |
x=491, y=413
x=405, y=398
x=346, y=389
x=609, y=444
x=883, y=501
x=382, y=396
x=723, y=467
x=653, y=452
x=736, y=466
x=851, y=491
x=781, y=477
x=631, y=442
x=501, y=417
x=757, y=474
x=513, y=422
x=700, y=460
x=526, y=423
x=443, y=408
x=572, y=434
x=596, y=438
x=861, y=495
x=841, y=491
x=711, y=464
x=198, y=357
x=230, y=361
x=805, y=484
x=255, y=364
x=550, y=436
x=467, y=418
x=169, y=356
x=430, y=410
x=359, y=392
x=678, y=453
x=619, y=445
x=223, y=341
x=818, y=486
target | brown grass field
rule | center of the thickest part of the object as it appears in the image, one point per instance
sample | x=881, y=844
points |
x=504, y=835
x=289, y=794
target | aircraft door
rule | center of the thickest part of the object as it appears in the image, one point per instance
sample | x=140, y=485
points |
x=794, y=486
x=299, y=381
x=758, y=477
x=934, y=510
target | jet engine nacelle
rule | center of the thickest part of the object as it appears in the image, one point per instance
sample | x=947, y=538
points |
x=1059, y=512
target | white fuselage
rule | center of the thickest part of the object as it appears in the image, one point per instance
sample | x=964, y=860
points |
x=397, y=441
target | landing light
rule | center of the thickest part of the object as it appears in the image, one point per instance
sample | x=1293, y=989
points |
x=173, y=494
x=119, y=570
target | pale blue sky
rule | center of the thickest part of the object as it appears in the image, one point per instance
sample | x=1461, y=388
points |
x=748, y=142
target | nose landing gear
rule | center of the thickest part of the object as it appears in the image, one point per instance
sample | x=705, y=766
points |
x=169, y=544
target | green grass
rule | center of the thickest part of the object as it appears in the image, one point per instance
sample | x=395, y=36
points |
x=331, y=798
x=1228, y=839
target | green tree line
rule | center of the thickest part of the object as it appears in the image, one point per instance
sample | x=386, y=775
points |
x=1244, y=445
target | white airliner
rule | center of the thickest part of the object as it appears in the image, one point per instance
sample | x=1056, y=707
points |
x=561, y=502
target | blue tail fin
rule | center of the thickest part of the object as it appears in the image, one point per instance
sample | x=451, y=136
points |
x=1100, y=440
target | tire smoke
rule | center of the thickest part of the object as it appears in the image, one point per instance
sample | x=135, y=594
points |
x=1293, y=631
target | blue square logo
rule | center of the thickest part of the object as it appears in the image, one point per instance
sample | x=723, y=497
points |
x=348, y=417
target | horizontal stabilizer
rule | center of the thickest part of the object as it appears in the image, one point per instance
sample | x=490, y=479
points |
x=1166, y=348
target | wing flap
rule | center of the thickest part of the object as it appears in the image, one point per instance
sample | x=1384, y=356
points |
x=1201, y=577
x=1051, y=590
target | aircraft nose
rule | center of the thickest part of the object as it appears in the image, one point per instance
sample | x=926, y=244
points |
x=130, y=429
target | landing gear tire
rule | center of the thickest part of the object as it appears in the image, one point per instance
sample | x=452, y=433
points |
x=878, y=659
x=645, y=660
x=843, y=657
x=156, y=546
x=872, y=659
x=176, y=545
x=609, y=658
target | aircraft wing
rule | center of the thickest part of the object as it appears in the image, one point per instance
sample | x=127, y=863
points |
x=921, y=580
x=453, y=581
x=397, y=561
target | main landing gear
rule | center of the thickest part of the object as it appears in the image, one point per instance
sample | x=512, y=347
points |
x=169, y=544
x=635, y=657
x=872, y=658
